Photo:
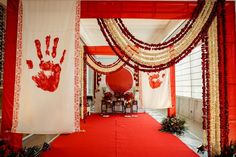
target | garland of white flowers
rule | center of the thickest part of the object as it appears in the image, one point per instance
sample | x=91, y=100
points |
x=104, y=69
x=155, y=58
x=214, y=90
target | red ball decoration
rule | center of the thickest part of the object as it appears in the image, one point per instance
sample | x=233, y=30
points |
x=120, y=81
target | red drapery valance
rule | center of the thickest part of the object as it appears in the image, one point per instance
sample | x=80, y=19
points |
x=99, y=50
x=137, y=9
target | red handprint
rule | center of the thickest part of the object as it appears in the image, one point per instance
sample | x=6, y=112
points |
x=154, y=80
x=49, y=76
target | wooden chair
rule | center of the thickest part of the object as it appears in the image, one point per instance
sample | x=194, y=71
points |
x=118, y=104
x=105, y=106
x=128, y=105
x=109, y=106
x=135, y=106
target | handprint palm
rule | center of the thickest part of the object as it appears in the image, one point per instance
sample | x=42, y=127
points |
x=47, y=82
x=155, y=80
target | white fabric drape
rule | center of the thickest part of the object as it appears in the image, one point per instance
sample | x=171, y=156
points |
x=46, y=99
x=156, y=91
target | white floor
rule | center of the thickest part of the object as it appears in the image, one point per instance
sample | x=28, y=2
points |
x=192, y=141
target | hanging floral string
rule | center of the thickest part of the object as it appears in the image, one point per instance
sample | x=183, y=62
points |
x=98, y=80
x=222, y=76
x=101, y=68
x=206, y=96
x=204, y=87
x=136, y=76
x=214, y=146
x=82, y=82
x=166, y=44
x=85, y=88
x=164, y=58
x=118, y=53
x=160, y=55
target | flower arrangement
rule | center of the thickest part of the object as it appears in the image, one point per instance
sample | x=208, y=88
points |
x=129, y=96
x=173, y=125
x=8, y=151
x=119, y=95
x=107, y=96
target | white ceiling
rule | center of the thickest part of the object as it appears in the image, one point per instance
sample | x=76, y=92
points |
x=148, y=30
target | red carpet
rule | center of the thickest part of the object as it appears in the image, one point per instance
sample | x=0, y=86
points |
x=117, y=136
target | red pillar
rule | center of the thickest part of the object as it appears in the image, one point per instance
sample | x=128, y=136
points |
x=172, y=111
x=15, y=140
x=231, y=68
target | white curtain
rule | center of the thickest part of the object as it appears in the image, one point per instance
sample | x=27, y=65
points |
x=46, y=99
x=155, y=90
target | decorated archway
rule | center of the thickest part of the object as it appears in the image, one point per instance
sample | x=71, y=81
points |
x=207, y=24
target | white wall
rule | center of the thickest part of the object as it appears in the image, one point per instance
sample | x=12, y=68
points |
x=90, y=78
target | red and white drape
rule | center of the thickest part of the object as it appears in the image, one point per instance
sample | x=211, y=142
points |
x=156, y=90
x=46, y=97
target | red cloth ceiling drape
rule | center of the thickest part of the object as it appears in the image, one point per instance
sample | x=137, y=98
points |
x=137, y=9
x=99, y=50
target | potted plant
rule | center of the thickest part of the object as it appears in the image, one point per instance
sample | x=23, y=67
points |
x=173, y=125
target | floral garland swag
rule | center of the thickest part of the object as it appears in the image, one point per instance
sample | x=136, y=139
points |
x=101, y=68
x=165, y=56
x=204, y=25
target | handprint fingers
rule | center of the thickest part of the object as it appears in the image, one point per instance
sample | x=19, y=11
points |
x=30, y=64
x=62, y=57
x=54, y=48
x=49, y=76
x=38, y=48
x=47, y=44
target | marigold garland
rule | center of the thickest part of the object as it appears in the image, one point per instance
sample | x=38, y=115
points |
x=165, y=58
x=222, y=76
x=159, y=46
x=119, y=54
x=214, y=146
x=154, y=58
x=204, y=88
x=104, y=69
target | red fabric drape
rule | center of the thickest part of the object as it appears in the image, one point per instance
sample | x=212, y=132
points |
x=172, y=111
x=9, y=74
x=231, y=67
x=99, y=50
x=137, y=9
